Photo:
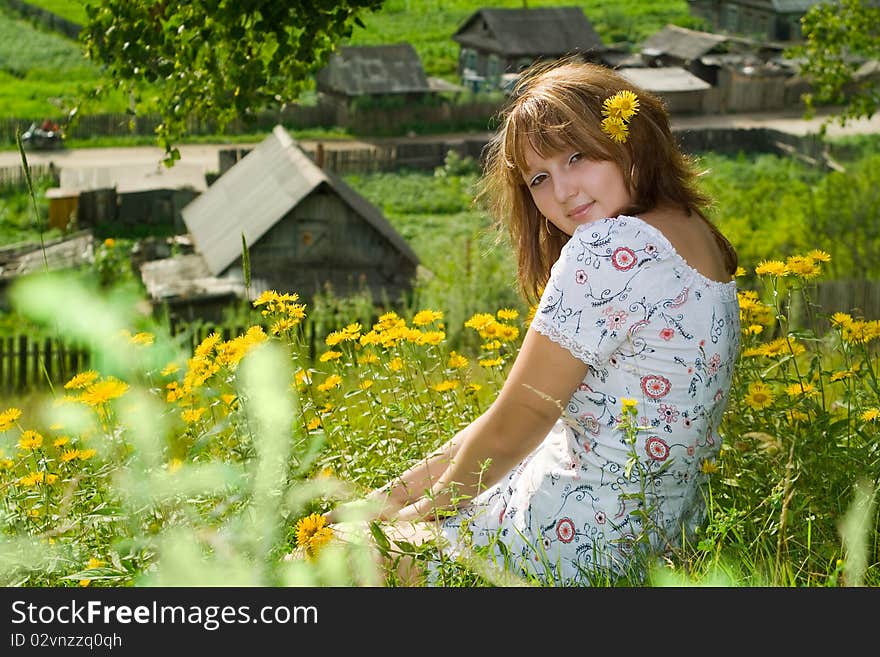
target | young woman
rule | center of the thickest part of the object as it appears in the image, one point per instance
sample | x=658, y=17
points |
x=636, y=308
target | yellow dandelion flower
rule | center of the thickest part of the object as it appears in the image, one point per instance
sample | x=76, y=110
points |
x=142, y=338
x=86, y=454
x=50, y=478
x=330, y=355
x=424, y=317
x=753, y=329
x=366, y=384
x=801, y=266
x=94, y=563
x=759, y=396
x=841, y=319
x=103, y=391
x=445, y=386
x=283, y=325
x=799, y=388
x=8, y=418
x=192, y=415
x=472, y=389
x=170, y=369
x=480, y=321
x=627, y=403
x=623, y=105
x=508, y=333
x=326, y=408
x=395, y=364
x=31, y=479
x=740, y=271
x=456, y=361
x=491, y=345
x=267, y=296
x=61, y=441
x=30, y=440
x=109, y=242
x=227, y=399
x=431, y=338
x=708, y=467
x=207, y=345
x=69, y=455
x=6, y=464
x=507, y=313
x=615, y=128
x=771, y=268
x=82, y=380
x=332, y=381
x=819, y=255
x=491, y=362
x=870, y=414
x=798, y=416
x=313, y=424
x=842, y=376
x=312, y=533
x=367, y=358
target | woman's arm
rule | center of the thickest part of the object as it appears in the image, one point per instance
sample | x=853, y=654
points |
x=542, y=379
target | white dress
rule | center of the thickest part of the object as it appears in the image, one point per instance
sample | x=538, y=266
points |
x=653, y=329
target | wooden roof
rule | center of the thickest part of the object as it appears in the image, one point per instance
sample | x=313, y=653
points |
x=370, y=70
x=681, y=43
x=543, y=31
x=258, y=192
x=666, y=79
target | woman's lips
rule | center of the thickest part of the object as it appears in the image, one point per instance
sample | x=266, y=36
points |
x=580, y=211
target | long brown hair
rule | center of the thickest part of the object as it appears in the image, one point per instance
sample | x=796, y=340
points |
x=558, y=105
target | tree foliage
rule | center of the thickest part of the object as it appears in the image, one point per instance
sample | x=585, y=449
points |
x=215, y=60
x=839, y=37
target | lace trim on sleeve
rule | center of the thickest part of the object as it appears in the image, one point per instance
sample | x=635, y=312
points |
x=588, y=356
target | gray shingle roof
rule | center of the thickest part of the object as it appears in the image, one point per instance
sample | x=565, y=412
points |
x=364, y=70
x=544, y=31
x=681, y=42
x=666, y=79
x=259, y=191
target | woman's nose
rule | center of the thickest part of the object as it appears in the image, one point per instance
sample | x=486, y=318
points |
x=563, y=187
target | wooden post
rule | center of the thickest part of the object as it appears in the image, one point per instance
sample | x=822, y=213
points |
x=22, y=362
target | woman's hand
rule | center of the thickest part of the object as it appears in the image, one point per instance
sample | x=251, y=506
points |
x=380, y=504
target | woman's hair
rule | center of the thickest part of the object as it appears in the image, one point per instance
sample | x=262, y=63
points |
x=557, y=106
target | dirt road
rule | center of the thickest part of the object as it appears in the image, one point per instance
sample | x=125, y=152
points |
x=206, y=155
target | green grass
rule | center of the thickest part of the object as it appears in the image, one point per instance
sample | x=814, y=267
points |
x=72, y=10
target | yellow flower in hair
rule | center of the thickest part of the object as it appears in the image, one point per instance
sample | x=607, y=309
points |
x=615, y=128
x=622, y=105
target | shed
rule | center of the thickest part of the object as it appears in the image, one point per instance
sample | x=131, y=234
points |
x=682, y=91
x=373, y=71
x=132, y=195
x=304, y=227
x=498, y=41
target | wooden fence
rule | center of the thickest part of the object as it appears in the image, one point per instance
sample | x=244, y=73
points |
x=28, y=363
x=31, y=364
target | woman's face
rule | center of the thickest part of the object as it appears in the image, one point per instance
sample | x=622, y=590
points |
x=571, y=190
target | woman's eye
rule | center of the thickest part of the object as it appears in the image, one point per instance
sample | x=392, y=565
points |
x=537, y=180
x=574, y=158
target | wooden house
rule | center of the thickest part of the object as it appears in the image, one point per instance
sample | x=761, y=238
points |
x=771, y=20
x=305, y=230
x=495, y=43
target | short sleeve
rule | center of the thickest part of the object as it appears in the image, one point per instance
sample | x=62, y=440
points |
x=590, y=304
